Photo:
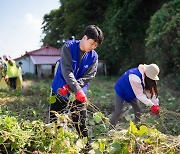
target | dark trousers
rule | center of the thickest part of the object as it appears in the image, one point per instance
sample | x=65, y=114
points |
x=12, y=82
x=119, y=107
x=77, y=110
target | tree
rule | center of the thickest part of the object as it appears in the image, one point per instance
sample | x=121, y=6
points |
x=124, y=24
x=125, y=27
x=53, y=28
x=71, y=19
x=163, y=41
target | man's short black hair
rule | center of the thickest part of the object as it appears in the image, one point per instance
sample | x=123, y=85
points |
x=95, y=33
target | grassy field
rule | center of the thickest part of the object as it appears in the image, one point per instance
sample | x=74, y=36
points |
x=102, y=95
x=32, y=103
x=24, y=115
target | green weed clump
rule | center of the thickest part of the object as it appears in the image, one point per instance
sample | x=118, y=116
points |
x=36, y=136
x=23, y=128
x=28, y=137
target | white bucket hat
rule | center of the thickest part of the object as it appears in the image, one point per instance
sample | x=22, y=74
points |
x=152, y=71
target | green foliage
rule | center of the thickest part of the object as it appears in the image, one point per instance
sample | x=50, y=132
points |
x=59, y=25
x=53, y=25
x=121, y=27
x=29, y=137
x=103, y=94
x=98, y=117
x=36, y=136
x=134, y=140
x=64, y=142
x=40, y=88
x=99, y=124
x=163, y=41
x=52, y=99
x=22, y=132
x=124, y=24
x=29, y=104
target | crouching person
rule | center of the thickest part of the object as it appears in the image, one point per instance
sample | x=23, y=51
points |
x=137, y=84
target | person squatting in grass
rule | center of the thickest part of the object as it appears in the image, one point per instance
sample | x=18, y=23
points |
x=137, y=84
x=73, y=72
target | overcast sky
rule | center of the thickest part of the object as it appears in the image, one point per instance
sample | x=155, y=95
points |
x=20, y=25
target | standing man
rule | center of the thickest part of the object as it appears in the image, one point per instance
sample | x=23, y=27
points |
x=75, y=69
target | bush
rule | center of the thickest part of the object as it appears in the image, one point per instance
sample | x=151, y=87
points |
x=163, y=41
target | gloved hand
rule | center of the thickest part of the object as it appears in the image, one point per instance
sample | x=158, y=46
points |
x=80, y=96
x=155, y=109
x=64, y=90
x=5, y=78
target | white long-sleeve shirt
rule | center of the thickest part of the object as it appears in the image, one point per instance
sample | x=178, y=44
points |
x=143, y=96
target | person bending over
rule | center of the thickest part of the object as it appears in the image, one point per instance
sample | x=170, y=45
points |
x=74, y=70
x=137, y=84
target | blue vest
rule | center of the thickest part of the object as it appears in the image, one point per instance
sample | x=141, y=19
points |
x=79, y=66
x=123, y=87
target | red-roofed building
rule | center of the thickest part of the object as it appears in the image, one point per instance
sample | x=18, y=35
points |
x=40, y=62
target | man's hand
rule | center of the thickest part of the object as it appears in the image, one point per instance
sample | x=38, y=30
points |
x=155, y=109
x=64, y=90
x=80, y=96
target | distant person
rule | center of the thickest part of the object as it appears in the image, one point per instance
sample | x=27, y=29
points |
x=19, y=80
x=3, y=84
x=1, y=62
x=137, y=84
x=75, y=69
x=1, y=68
x=12, y=71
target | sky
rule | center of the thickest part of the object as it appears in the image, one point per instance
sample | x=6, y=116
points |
x=20, y=25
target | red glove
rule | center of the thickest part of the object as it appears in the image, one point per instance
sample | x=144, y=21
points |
x=80, y=96
x=64, y=90
x=5, y=78
x=155, y=109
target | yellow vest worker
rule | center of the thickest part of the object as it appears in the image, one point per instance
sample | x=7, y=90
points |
x=19, y=80
x=12, y=70
x=3, y=84
x=12, y=73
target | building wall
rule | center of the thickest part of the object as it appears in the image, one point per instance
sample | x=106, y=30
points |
x=101, y=70
x=27, y=65
x=44, y=70
x=48, y=70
